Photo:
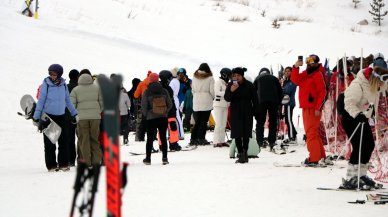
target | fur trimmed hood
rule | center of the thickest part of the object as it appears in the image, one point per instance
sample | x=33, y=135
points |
x=202, y=74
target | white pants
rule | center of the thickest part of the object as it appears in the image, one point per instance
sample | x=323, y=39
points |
x=220, y=117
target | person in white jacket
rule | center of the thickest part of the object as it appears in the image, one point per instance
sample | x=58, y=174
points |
x=124, y=106
x=175, y=86
x=220, y=108
x=203, y=95
x=359, y=101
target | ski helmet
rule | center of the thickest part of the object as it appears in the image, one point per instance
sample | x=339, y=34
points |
x=165, y=75
x=377, y=56
x=225, y=73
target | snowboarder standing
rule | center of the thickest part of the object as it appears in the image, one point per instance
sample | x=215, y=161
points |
x=289, y=89
x=53, y=99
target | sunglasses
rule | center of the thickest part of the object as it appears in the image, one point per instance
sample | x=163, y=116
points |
x=310, y=60
x=383, y=78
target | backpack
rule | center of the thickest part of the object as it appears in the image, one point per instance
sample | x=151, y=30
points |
x=159, y=105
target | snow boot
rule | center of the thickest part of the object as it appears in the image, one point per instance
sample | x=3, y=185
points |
x=165, y=161
x=147, y=161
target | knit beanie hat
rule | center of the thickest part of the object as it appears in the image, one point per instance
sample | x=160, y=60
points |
x=73, y=74
x=380, y=62
x=153, y=77
x=56, y=68
x=264, y=70
x=239, y=70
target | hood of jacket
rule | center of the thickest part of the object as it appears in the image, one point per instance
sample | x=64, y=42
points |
x=85, y=79
x=155, y=88
x=202, y=74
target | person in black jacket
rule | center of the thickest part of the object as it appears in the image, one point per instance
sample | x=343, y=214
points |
x=165, y=78
x=269, y=94
x=155, y=121
x=135, y=83
x=243, y=100
x=73, y=75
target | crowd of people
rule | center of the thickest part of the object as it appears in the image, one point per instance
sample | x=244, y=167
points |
x=161, y=107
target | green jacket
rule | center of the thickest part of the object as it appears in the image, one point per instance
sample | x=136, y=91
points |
x=86, y=98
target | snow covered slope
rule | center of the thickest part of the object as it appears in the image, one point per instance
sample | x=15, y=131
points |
x=134, y=36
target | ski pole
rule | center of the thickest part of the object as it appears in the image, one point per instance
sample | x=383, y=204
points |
x=359, y=157
x=347, y=142
x=79, y=181
x=95, y=174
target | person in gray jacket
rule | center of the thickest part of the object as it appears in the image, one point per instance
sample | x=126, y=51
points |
x=124, y=106
x=87, y=99
x=156, y=118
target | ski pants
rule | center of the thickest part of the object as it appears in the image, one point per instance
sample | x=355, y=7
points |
x=124, y=127
x=220, y=117
x=290, y=124
x=314, y=142
x=154, y=125
x=199, y=130
x=88, y=143
x=272, y=109
x=368, y=143
x=186, y=121
x=63, y=146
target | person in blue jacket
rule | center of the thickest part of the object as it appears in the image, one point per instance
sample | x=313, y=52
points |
x=289, y=89
x=53, y=99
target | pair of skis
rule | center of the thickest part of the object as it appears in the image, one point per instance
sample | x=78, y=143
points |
x=28, y=12
x=115, y=180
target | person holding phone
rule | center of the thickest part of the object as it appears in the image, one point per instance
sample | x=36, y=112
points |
x=312, y=96
x=243, y=101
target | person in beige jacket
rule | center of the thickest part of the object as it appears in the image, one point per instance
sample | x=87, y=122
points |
x=203, y=95
x=87, y=99
x=359, y=100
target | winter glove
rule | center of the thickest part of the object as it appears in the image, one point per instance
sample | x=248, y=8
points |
x=75, y=119
x=361, y=118
x=41, y=124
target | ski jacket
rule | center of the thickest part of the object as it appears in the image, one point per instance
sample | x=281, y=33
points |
x=175, y=86
x=124, y=102
x=203, y=91
x=219, y=91
x=86, y=98
x=289, y=88
x=184, y=86
x=243, y=106
x=358, y=95
x=154, y=89
x=312, y=87
x=53, y=99
x=141, y=88
x=131, y=92
x=72, y=84
x=268, y=89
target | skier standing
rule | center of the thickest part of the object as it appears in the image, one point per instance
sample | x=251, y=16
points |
x=363, y=91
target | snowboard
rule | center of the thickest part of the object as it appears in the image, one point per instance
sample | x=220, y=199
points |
x=52, y=130
x=253, y=148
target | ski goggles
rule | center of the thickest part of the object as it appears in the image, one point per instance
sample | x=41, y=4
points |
x=383, y=78
x=310, y=60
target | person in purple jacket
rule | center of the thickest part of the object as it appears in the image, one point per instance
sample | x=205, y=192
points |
x=53, y=99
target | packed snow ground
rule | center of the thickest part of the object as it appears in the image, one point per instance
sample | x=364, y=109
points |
x=132, y=37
